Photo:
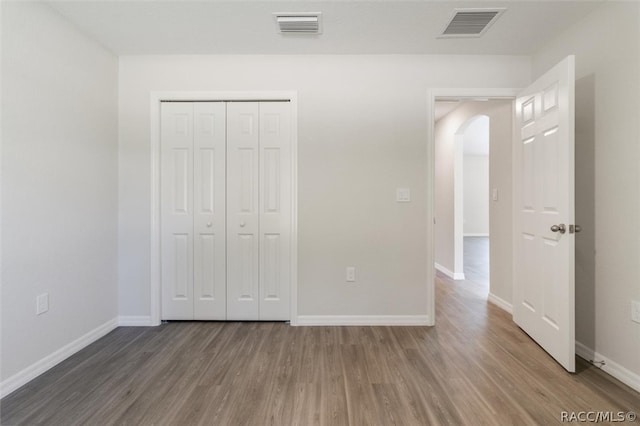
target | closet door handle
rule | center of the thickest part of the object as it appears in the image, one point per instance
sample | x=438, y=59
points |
x=242, y=224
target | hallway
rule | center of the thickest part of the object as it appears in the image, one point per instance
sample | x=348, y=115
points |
x=476, y=260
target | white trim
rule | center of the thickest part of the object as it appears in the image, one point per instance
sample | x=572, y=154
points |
x=155, y=98
x=431, y=179
x=293, y=290
x=364, y=320
x=2, y=384
x=453, y=275
x=476, y=235
x=154, y=262
x=500, y=303
x=584, y=351
x=432, y=94
x=135, y=321
x=37, y=368
x=458, y=195
x=610, y=367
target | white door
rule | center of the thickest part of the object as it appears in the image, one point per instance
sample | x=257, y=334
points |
x=176, y=158
x=209, y=187
x=258, y=210
x=544, y=212
x=243, y=240
x=226, y=197
x=193, y=210
x=275, y=210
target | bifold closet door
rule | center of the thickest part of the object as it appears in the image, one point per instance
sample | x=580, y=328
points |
x=193, y=210
x=258, y=210
x=242, y=211
x=275, y=210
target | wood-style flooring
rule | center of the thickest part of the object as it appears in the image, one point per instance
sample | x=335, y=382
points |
x=476, y=367
x=476, y=260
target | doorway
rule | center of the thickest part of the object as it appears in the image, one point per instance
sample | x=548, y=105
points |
x=472, y=198
x=487, y=258
x=462, y=140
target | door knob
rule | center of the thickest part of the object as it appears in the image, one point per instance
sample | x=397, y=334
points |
x=209, y=224
x=242, y=224
x=559, y=228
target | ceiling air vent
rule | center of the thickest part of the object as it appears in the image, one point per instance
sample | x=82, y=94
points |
x=471, y=22
x=299, y=23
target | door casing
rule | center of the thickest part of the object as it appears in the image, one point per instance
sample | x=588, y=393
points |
x=156, y=98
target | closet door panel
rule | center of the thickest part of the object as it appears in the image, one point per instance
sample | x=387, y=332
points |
x=209, y=210
x=275, y=210
x=243, y=239
x=176, y=212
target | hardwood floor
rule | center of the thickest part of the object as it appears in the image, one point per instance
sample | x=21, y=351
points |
x=476, y=260
x=475, y=367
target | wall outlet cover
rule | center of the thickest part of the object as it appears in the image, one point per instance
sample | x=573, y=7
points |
x=42, y=303
x=351, y=274
x=403, y=195
x=635, y=311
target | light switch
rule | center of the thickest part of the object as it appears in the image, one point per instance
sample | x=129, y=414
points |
x=403, y=195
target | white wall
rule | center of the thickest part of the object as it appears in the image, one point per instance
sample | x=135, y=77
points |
x=362, y=133
x=59, y=199
x=607, y=49
x=500, y=131
x=475, y=167
x=476, y=195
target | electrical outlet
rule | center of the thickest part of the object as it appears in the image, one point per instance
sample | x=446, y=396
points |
x=42, y=303
x=635, y=311
x=351, y=274
x=403, y=195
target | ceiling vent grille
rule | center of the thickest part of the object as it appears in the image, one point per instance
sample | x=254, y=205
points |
x=299, y=23
x=471, y=22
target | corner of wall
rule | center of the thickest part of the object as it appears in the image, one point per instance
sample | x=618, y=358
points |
x=44, y=364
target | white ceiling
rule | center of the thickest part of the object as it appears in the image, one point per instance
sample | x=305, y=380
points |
x=349, y=26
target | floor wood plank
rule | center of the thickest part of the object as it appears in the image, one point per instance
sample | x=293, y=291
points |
x=475, y=367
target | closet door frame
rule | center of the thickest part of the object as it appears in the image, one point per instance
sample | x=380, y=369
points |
x=156, y=98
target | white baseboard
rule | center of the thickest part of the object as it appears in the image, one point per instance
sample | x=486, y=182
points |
x=134, y=321
x=610, y=367
x=450, y=274
x=336, y=320
x=475, y=235
x=34, y=370
x=585, y=352
x=500, y=303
